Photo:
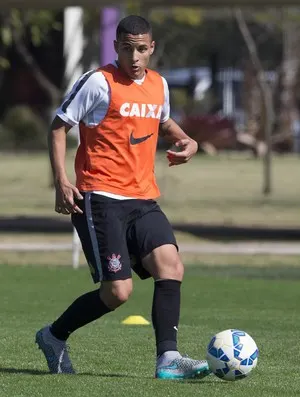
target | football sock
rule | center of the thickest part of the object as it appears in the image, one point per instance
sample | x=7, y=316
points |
x=165, y=314
x=167, y=357
x=83, y=310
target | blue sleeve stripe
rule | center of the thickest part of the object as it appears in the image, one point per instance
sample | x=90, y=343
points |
x=66, y=104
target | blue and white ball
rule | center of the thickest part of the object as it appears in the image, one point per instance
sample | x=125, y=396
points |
x=232, y=354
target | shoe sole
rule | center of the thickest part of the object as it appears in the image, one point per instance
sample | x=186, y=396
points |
x=200, y=374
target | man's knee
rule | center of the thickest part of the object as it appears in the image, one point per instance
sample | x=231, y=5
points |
x=164, y=263
x=173, y=269
x=178, y=269
x=115, y=293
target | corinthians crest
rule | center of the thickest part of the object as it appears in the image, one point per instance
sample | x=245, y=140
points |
x=114, y=264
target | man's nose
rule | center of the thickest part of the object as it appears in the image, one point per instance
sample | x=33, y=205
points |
x=135, y=56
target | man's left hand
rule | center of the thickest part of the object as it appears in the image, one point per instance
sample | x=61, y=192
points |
x=188, y=148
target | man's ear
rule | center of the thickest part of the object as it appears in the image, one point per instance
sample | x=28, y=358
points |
x=152, y=47
x=116, y=46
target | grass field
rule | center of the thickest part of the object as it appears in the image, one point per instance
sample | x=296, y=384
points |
x=117, y=360
x=218, y=190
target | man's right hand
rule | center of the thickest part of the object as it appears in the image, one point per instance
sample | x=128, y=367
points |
x=64, y=199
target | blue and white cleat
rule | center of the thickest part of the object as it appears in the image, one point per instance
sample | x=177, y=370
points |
x=55, y=352
x=183, y=368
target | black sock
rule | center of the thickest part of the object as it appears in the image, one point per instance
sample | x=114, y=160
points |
x=165, y=314
x=83, y=310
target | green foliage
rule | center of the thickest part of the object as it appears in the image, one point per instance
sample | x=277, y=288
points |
x=40, y=23
x=191, y=16
x=133, y=7
x=197, y=33
x=34, y=25
x=6, y=35
x=188, y=15
x=22, y=129
x=270, y=17
x=4, y=63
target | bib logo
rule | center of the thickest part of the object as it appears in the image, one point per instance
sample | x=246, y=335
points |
x=141, y=110
x=114, y=264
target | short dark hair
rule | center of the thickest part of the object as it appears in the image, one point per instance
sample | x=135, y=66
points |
x=133, y=24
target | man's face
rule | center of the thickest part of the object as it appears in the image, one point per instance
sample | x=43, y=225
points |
x=134, y=53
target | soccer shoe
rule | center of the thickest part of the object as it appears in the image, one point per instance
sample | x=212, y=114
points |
x=183, y=368
x=55, y=351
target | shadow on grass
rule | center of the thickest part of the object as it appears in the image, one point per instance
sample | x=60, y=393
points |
x=106, y=375
x=28, y=371
x=25, y=371
x=208, y=380
x=246, y=272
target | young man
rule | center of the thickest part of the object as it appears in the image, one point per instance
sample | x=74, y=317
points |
x=120, y=108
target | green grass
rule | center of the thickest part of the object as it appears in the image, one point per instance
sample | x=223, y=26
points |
x=221, y=190
x=117, y=360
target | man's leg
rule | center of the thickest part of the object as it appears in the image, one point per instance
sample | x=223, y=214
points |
x=85, y=309
x=104, y=246
x=91, y=306
x=165, y=266
x=154, y=247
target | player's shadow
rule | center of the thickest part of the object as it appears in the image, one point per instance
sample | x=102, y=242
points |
x=106, y=375
x=28, y=371
x=208, y=380
x=25, y=371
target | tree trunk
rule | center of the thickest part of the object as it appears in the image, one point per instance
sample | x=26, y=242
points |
x=54, y=94
x=289, y=113
x=267, y=97
x=252, y=100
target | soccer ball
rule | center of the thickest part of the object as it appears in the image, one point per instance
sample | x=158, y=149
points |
x=232, y=354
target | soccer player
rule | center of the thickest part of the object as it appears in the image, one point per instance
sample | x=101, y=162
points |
x=121, y=109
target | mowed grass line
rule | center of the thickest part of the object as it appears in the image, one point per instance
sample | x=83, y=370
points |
x=226, y=189
x=117, y=360
x=220, y=261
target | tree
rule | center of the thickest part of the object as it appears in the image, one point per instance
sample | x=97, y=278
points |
x=289, y=111
x=20, y=30
x=266, y=93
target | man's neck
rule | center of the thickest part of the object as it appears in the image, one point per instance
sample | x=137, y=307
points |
x=141, y=78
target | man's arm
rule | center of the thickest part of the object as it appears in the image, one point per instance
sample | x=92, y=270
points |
x=171, y=131
x=57, y=148
x=87, y=93
x=65, y=191
x=173, y=134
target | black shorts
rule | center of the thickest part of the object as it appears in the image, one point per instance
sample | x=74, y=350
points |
x=116, y=234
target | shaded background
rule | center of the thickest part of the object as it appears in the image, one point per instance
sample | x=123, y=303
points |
x=233, y=75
